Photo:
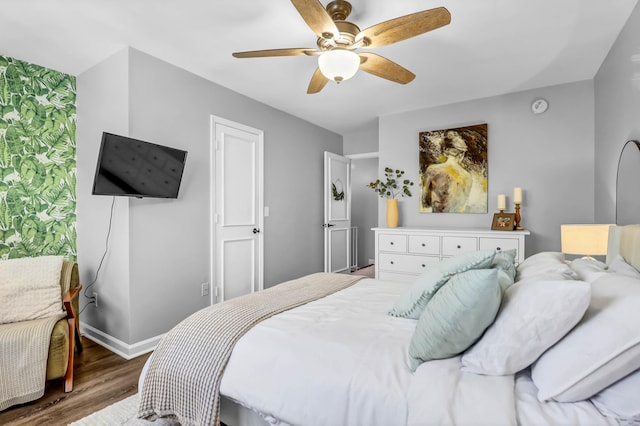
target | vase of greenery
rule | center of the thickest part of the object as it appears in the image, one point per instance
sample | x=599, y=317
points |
x=391, y=188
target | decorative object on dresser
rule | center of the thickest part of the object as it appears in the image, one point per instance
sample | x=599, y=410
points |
x=453, y=170
x=585, y=239
x=517, y=200
x=503, y=221
x=502, y=202
x=394, y=186
x=404, y=253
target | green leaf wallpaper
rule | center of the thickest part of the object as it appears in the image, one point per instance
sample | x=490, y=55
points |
x=37, y=161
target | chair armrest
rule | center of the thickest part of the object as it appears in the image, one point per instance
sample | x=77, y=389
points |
x=67, y=301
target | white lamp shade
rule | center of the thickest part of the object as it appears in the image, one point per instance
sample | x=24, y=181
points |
x=585, y=239
x=339, y=64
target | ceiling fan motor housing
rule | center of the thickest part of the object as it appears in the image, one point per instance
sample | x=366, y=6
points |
x=346, y=39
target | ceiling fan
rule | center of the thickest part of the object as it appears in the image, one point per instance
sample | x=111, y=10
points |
x=338, y=39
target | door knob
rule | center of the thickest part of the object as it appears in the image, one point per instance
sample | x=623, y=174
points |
x=256, y=231
x=328, y=225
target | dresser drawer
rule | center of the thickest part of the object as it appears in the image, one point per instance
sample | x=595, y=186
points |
x=452, y=246
x=391, y=242
x=499, y=244
x=424, y=244
x=406, y=263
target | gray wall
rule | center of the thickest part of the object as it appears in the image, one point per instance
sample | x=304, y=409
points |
x=617, y=117
x=362, y=140
x=164, y=252
x=103, y=104
x=551, y=156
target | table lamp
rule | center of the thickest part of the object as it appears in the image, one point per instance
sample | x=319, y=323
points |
x=585, y=239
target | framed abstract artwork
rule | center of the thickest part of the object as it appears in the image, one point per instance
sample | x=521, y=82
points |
x=453, y=170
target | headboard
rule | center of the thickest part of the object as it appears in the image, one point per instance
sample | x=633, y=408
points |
x=625, y=241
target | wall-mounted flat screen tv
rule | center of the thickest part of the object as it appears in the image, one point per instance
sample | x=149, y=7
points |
x=134, y=168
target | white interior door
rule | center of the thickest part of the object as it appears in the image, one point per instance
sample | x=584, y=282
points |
x=237, y=209
x=337, y=213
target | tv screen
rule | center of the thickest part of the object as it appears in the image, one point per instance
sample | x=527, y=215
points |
x=134, y=168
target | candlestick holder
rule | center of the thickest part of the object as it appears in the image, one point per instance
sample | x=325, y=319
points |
x=517, y=226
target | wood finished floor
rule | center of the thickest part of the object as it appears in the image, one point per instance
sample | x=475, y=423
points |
x=367, y=271
x=101, y=378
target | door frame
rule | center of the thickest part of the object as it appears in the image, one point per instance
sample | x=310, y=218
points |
x=216, y=293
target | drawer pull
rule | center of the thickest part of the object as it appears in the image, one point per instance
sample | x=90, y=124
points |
x=498, y=249
x=458, y=246
x=424, y=245
x=423, y=265
x=391, y=243
x=392, y=262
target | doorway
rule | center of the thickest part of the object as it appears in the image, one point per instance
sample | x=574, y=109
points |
x=364, y=205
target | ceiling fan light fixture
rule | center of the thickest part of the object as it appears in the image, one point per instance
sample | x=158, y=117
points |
x=339, y=64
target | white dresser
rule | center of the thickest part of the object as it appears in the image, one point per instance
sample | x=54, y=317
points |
x=404, y=253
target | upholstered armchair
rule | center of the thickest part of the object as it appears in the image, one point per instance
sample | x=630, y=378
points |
x=38, y=326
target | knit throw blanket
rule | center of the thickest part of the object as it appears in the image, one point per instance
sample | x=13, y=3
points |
x=185, y=370
x=24, y=348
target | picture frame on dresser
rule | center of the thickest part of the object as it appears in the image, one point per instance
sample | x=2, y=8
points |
x=503, y=222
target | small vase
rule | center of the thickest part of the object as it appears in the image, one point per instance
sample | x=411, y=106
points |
x=392, y=212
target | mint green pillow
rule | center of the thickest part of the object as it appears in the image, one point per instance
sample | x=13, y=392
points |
x=411, y=303
x=456, y=316
x=504, y=262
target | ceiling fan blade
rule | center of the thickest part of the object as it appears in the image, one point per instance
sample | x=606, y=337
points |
x=317, y=83
x=317, y=18
x=276, y=52
x=404, y=27
x=385, y=68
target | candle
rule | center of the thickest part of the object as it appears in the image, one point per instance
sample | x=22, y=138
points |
x=502, y=201
x=517, y=195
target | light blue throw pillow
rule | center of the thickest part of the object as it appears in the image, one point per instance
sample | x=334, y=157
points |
x=504, y=262
x=411, y=303
x=456, y=316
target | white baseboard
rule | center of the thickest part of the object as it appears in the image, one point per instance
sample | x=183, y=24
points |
x=125, y=350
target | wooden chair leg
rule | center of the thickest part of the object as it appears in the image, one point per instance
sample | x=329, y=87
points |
x=71, y=320
x=68, y=378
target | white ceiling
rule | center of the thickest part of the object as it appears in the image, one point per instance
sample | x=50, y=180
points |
x=490, y=48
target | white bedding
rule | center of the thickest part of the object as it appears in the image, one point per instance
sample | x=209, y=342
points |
x=336, y=361
x=342, y=360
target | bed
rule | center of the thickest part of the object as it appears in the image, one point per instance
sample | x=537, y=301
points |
x=549, y=342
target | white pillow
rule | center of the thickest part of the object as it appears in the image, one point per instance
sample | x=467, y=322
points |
x=622, y=399
x=588, y=269
x=544, y=263
x=619, y=266
x=30, y=288
x=603, y=348
x=534, y=315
